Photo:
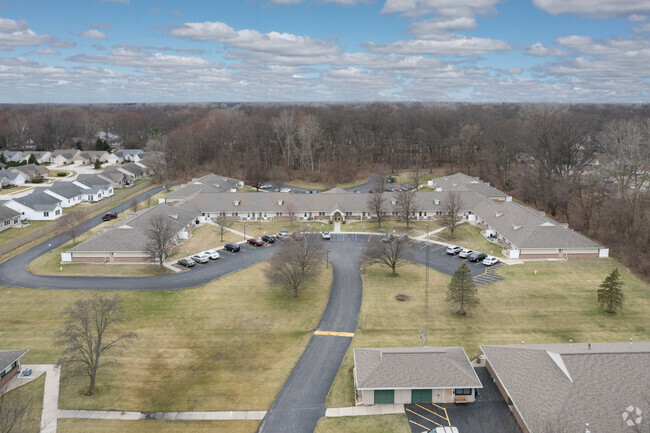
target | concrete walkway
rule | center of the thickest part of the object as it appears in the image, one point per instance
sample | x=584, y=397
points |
x=164, y=416
x=50, y=399
x=380, y=409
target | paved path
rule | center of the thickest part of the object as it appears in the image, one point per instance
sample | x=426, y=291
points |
x=301, y=402
x=163, y=416
x=50, y=400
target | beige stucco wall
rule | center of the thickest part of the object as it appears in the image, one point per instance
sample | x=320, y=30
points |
x=402, y=396
x=368, y=397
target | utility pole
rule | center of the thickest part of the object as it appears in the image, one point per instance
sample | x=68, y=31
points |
x=426, y=288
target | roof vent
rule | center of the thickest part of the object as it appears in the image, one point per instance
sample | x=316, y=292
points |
x=280, y=202
x=436, y=201
x=547, y=224
x=175, y=216
x=516, y=227
x=498, y=214
x=237, y=202
x=393, y=201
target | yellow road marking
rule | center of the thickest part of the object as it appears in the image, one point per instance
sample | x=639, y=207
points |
x=440, y=247
x=422, y=416
x=439, y=407
x=335, y=334
x=446, y=417
x=419, y=425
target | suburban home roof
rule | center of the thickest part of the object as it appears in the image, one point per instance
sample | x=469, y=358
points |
x=463, y=182
x=8, y=357
x=39, y=201
x=9, y=174
x=66, y=153
x=66, y=189
x=206, y=184
x=526, y=228
x=123, y=152
x=336, y=191
x=560, y=387
x=92, y=180
x=414, y=367
x=130, y=234
x=133, y=168
x=7, y=213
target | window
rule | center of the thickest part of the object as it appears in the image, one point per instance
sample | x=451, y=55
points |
x=463, y=391
x=278, y=214
x=46, y=214
x=348, y=214
x=235, y=214
x=57, y=212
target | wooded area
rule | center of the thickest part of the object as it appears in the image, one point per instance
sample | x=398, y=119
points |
x=587, y=165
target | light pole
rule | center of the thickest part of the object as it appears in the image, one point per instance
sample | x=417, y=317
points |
x=244, y=231
x=426, y=287
x=327, y=254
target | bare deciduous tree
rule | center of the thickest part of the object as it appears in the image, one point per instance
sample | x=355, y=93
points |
x=295, y=262
x=406, y=205
x=376, y=203
x=223, y=224
x=14, y=409
x=310, y=135
x=87, y=336
x=69, y=223
x=160, y=234
x=134, y=204
x=453, y=206
x=388, y=252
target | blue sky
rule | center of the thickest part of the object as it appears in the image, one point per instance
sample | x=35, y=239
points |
x=95, y=51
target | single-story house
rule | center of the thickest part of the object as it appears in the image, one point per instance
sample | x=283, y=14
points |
x=529, y=234
x=94, y=187
x=13, y=177
x=90, y=156
x=112, y=159
x=10, y=364
x=8, y=218
x=210, y=183
x=67, y=192
x=32, y=171
x=131, y=155
x=117, y=178
x=132, y=169
x=37, y=206
x=562, y=387
x=403, y=375
x=42, y=157
x=127, y=241
x=13, y=155
x=64, y=156
x=2, y=166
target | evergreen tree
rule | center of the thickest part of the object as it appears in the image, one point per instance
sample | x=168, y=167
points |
x=3, y=159
x=98, y=164
x=102, y=145
x=461, y=290
x=610, y=296
x=32, y=159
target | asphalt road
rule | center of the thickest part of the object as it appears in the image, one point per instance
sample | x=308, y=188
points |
x=301, y=402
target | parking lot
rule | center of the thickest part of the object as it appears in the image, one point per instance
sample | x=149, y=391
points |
x=488, y=414
x=226, y=255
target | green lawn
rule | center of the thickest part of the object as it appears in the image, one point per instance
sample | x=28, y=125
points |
x=370, y=423
x=469, y=236
x=31, y=393
x=227, y=345
x=204, y=238
x=17, y=232
x=557, y=304
x=120, y=426
x=407, y=176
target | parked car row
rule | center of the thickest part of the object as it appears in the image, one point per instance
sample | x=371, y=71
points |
x=471, y=255
x=206, y=256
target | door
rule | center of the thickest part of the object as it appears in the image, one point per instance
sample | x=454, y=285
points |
x=337, y=216
x=421, y=396
x=384, y=396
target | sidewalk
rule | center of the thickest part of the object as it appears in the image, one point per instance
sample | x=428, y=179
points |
x=164, y=416
x=380, y=409
x=50, y=399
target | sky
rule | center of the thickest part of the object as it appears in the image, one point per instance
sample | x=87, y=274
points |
x=114, y=51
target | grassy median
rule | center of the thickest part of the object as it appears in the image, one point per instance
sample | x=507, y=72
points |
x=111, y=426
x=540, y=302
x=227, y=345
x=371, y=423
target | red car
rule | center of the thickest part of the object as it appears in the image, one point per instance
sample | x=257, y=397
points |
x=109, y=216
x=256, y=241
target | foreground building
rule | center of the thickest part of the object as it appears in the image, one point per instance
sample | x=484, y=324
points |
x=402, y=375
x=562, y=387
x=9, y=364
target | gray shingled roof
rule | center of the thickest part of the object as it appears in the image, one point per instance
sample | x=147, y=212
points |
x=134, y=168
x=7, y=213
x=414, y=367
x=92, y=181
x=463, y=182
x=11, y=175
x=124, y=152
x=66, y=153
x=39, y=201
x=526, y=228
x=7, y=357
x=66, y=189
x=130, y=234
x=560, y=387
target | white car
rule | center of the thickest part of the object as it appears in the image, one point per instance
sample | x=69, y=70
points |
x=489, y=261
x=282, y=236
x=201, y=258
x=213, y=255
x=285, y=190
x=454, y=249
x=325, y=235
x=465, y=252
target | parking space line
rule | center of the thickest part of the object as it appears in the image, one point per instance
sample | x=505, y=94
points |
x=419, y=425
x=446, y=417
x=422, y=416
x=439, y=407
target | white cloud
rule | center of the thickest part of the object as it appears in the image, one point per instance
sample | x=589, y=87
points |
x=93, y=34
x=458, y=45
x=346, y=2
x=280, y=44
x=63, y=44
x=594, y=8
x=636, y=18
x=126, y=2
x=539, y=50
x=436, y=28
x=47, y=51
x=448, y=8
x=17, y=34
x=642, y=29
x=136, y=57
